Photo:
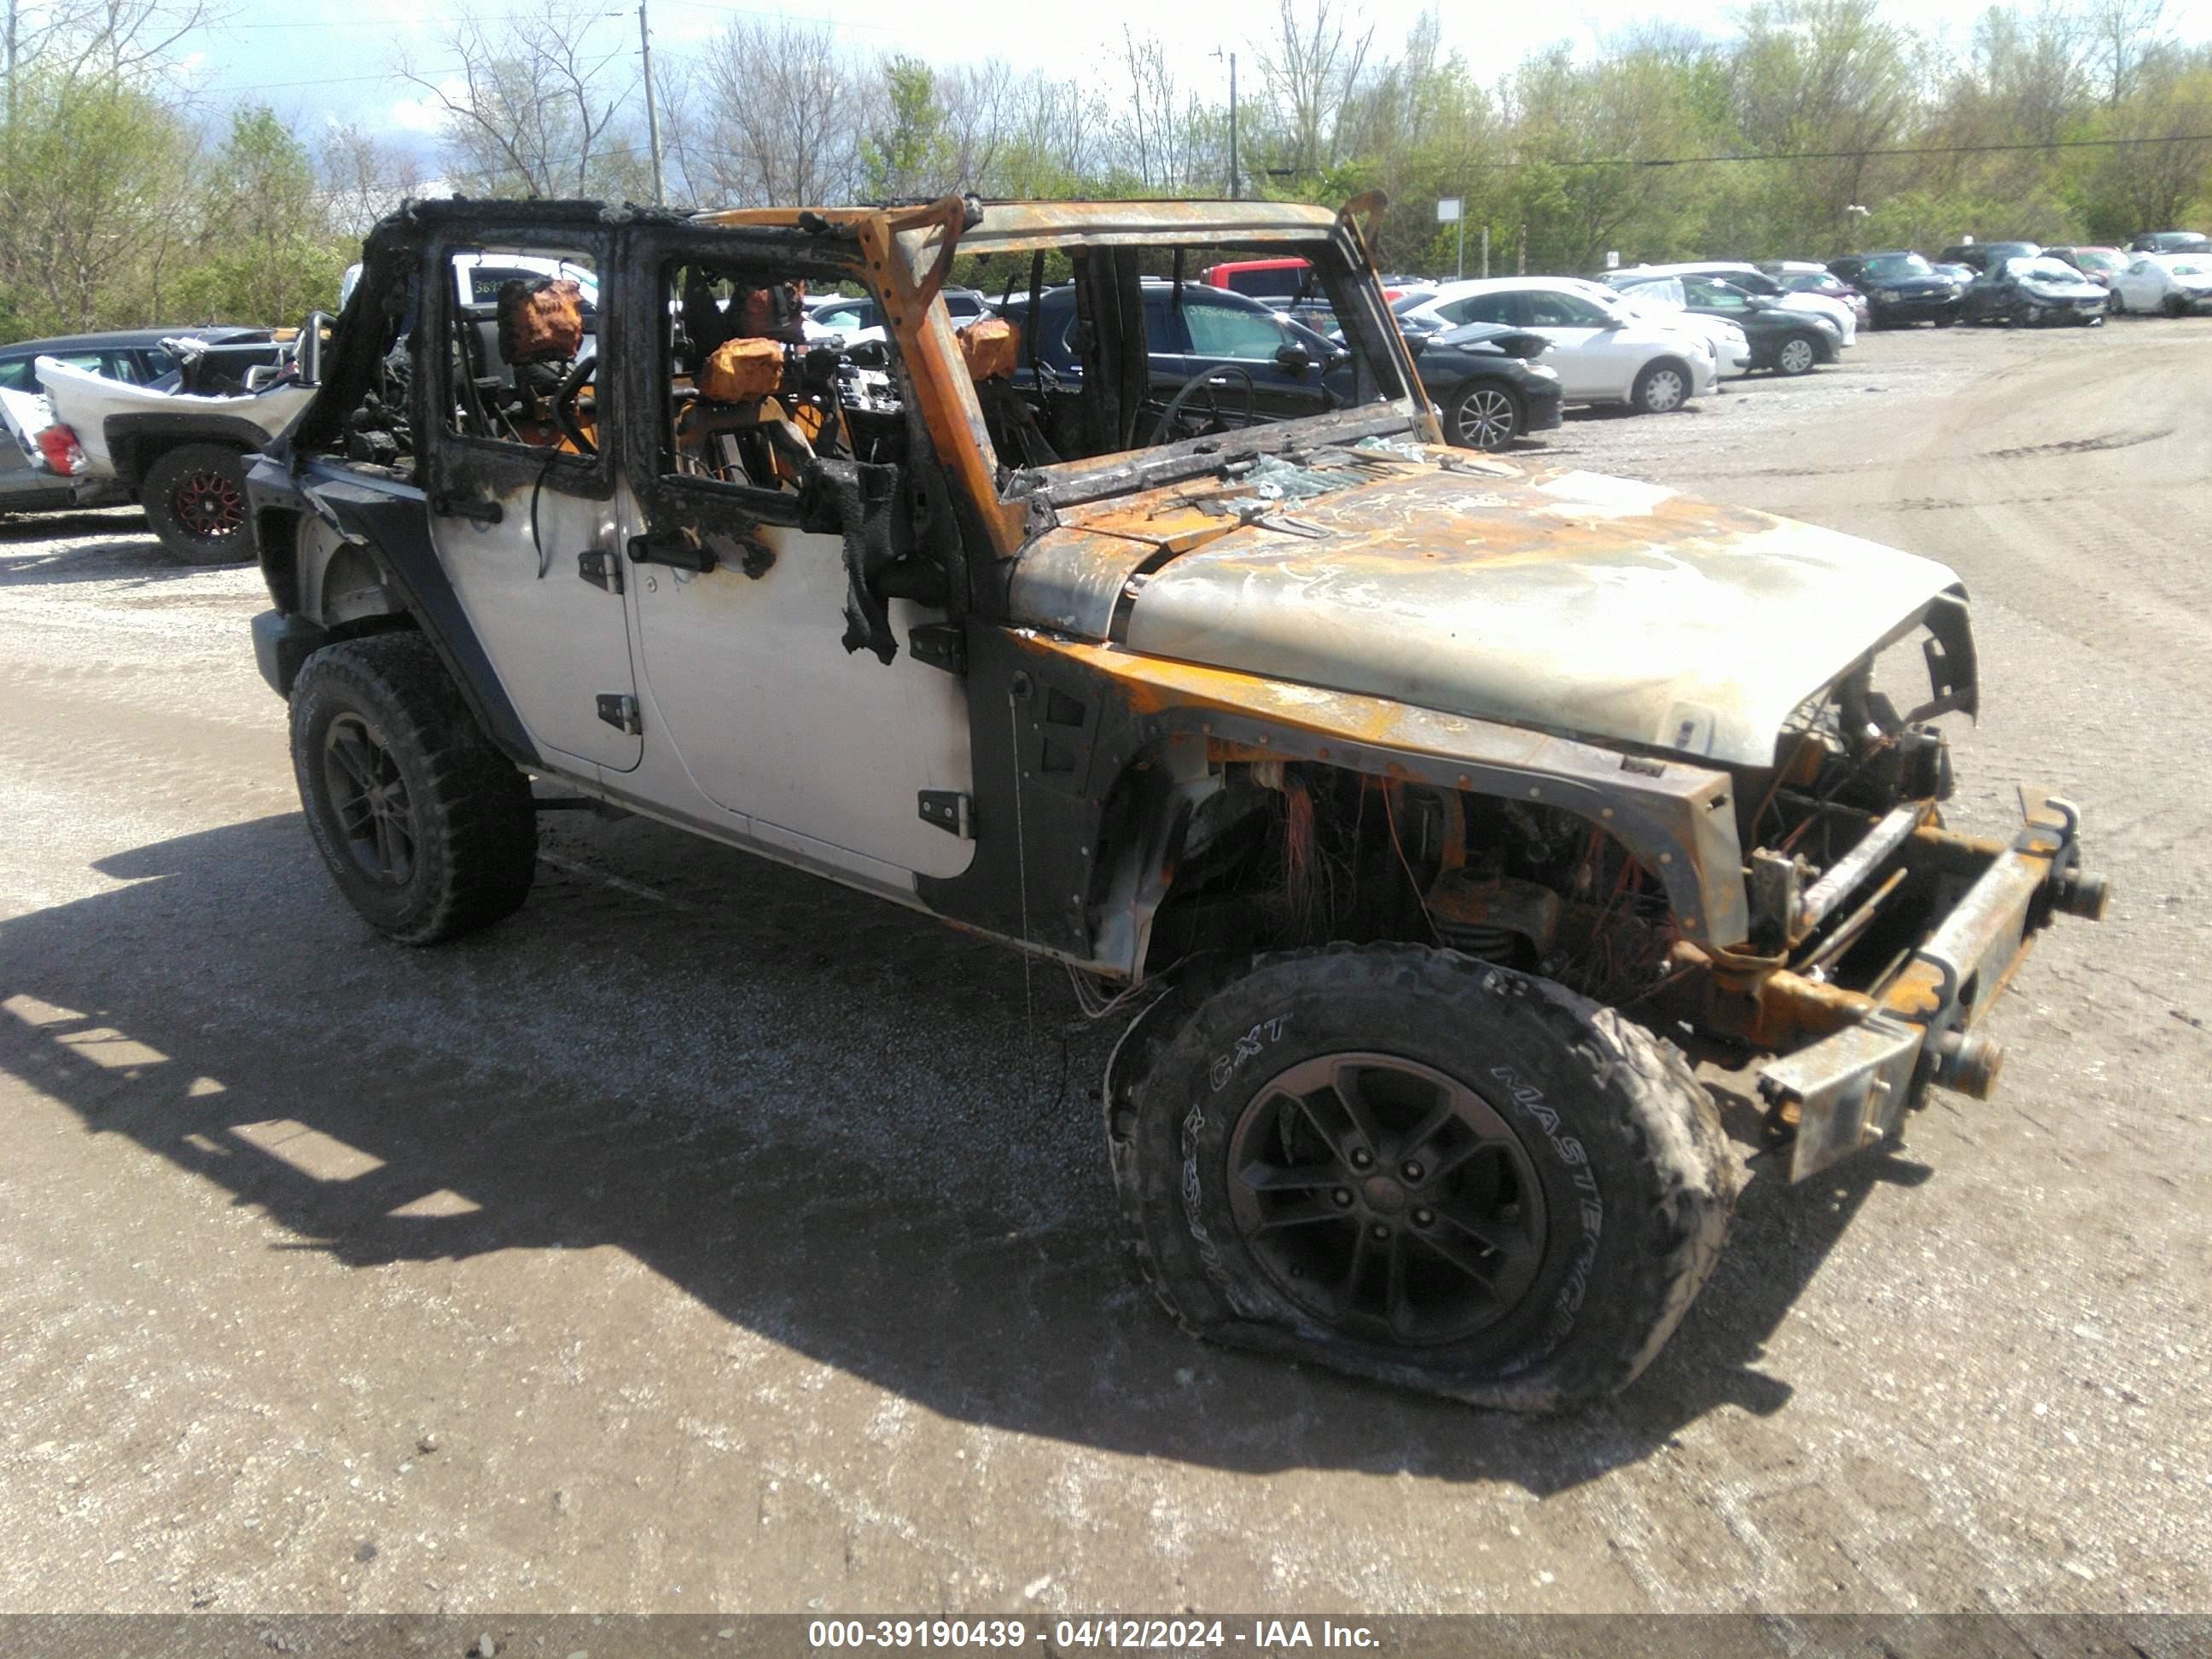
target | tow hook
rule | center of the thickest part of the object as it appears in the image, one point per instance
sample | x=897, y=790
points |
x=2074, y=891
x=1968, y=1062
x=2079, y=893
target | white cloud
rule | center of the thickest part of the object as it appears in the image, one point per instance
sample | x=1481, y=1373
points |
x=427, y=113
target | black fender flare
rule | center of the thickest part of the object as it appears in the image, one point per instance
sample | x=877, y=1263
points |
x=134, y=440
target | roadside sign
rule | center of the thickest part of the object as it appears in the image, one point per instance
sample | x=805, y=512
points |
x=1448, y=209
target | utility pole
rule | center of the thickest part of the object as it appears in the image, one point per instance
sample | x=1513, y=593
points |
x=12, y=10
x=1234, y=193
x=651, y=110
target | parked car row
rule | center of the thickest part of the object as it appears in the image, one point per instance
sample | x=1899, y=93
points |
x=2025, y=283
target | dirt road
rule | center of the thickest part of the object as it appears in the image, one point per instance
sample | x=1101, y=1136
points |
x=708, y=1237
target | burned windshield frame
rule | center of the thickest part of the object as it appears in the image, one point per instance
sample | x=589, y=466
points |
x=1377, y=389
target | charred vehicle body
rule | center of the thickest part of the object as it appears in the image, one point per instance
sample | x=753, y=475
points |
x=1407, y=793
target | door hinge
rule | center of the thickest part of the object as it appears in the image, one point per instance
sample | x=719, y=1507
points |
x=950, y=810
x=601, y=568
x=619, y=710
x=940, y=645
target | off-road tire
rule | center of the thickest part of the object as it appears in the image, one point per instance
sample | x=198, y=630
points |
x=471, y=828
x=1650, y=385
x=194, y=498
x=1590, y=1096
x=1484, y=414
x=1806, y=356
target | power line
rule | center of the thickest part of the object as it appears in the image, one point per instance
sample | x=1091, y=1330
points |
x=809, y=20
x=384, y=23
x=337, y=80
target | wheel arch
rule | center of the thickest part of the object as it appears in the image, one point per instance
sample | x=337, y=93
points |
x=1203, y=726
x=135, y=442
x=349, y=554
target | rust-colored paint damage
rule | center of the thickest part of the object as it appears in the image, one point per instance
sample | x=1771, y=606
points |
x=1674, y=819
x=1617, y=611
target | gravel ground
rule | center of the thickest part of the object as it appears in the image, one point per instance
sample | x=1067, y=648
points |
x=707, y=1236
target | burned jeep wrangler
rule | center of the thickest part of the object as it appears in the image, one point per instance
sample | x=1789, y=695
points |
x=1408, y=794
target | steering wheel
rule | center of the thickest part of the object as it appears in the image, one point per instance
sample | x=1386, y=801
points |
x=564, y=403
x=1203, y=381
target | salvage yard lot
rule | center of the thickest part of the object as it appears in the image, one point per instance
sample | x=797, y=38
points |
x=708, y=1237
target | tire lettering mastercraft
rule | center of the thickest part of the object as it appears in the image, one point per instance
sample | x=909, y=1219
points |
x=1226, y=1066
x=1529, y=1100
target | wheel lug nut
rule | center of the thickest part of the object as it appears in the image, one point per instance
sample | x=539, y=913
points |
x=1413, y=1172
x=1422, y=1218
x=1361, y=1158
x=1380, y=1231
x=1342, y=1196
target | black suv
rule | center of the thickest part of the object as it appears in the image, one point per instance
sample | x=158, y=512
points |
x=1260, y=365
x=2172, y=241
x=1901, y=287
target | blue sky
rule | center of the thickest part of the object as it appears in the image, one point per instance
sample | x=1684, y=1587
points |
x=326, y=61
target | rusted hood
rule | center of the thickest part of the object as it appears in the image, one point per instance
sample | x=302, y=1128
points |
x=1561, y=601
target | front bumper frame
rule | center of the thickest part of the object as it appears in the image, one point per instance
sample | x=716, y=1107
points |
x=1850, y=1090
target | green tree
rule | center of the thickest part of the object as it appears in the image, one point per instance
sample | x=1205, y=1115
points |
x=265, y=253
x=909, y=152
x=94, y=171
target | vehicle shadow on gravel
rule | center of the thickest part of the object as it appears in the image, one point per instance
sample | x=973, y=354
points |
x=126, y=548
x=818, y=1115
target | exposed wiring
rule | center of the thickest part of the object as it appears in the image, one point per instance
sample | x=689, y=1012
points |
x=1390, y=817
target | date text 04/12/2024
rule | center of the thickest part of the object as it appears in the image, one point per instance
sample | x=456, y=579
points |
x=1171, y=1634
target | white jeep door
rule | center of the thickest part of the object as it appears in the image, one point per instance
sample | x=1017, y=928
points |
x=529, y=519
x=822, y=751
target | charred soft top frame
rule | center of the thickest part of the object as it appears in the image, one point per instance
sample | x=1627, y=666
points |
x=1415, y=790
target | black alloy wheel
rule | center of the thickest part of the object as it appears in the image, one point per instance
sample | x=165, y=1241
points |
x=369, y=797
x=1485, y=416
x=1796, y=355
x=1383, y=1196
x=429, y=831
x=1419, y=1167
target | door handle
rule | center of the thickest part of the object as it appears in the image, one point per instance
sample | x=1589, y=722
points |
x=448, y=506
x=676, y=553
